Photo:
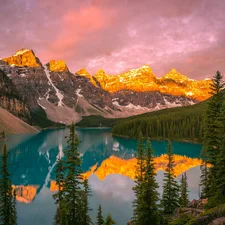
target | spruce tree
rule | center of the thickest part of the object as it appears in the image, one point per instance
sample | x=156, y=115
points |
x=100, y=219
x=170, y=197
x=72, y=182
x=184, y=191
x=7, y=201
x=205, y=180
x=14, y=212
x=59, y=196
x=139, y=177
x=214, y=134
x=220, y=178
x=71, y=199
x=84, y=209
x=150, y=196
x=109, y=220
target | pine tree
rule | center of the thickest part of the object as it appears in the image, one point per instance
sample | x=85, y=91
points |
x=170, y=198
x=84, y=209
x=214, y=133
x=150, y=196
x=14, y=212
x=205, y=180
x=71, y=199
x=59, y=196
x=7, y=201
x=184, y=191
x=100, y=219
x=109, y=220
x=220, y=178
x=139, y=177
x=72, y=182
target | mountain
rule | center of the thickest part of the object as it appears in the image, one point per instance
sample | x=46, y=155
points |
x=51, y=92
x=144, y=80
x=183, y=124
x=11, y=100
x=13, y=125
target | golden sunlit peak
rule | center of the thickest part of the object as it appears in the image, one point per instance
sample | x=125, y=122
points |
x=145, y=66
x=58, y=66
x=22, y=51
x=23, y=57
x=174, y=75
x=83, y=72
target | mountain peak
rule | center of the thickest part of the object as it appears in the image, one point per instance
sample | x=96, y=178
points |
x=100, y=73
x=22, y=51
x=23, y=57
x=176, y=76
x=58, y=66
x=83, y=72
x=146, y=67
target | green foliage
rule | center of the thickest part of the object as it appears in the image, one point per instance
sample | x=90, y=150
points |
x=59, y=196
x=39, y=118
x=100, y=219
x=139, y=177
x=183, y=123
x=205, y=180
x=170, y=198
x=84, y=207
x=7, y=197
x=71, y=199
x=213, y=180
x=97, y=121
x=109, y=220
x=184, y=191
x=149, y=193
x=145, y=208
x=180, y=221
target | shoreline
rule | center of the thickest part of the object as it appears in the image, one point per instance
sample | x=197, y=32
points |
x=158, y=139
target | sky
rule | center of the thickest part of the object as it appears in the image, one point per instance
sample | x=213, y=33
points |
x=118, y=35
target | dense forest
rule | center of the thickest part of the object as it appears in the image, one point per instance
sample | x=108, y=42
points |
x=184, y=123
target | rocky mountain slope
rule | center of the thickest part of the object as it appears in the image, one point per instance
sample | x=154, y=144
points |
x=53, y=90
x=144, y=80
x=13, y=125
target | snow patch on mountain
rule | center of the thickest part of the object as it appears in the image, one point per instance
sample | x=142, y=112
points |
x=58, y=94
x=22, y=51
x=171, y=104
x=78, y=93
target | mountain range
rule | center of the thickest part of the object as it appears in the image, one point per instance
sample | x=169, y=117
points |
x=37, y=92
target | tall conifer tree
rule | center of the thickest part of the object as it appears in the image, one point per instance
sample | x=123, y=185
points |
x=72, y=182
x=139, y=177
x=184, y=191
x=213, y=144
x=170, y=198
x=150, y=196
x=7, y=200
x=59, y=196
x=100, y=219
x=84, y=209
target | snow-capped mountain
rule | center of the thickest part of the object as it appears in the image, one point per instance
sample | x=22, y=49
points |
x=65, y=96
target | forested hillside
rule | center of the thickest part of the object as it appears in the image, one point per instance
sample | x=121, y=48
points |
x=184, y=123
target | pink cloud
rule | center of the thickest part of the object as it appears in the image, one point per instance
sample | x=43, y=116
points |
x=76, y=25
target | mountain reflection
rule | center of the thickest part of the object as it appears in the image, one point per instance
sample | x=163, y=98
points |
x=33, y=157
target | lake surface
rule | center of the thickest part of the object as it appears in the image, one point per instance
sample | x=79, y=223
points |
x=33, y=160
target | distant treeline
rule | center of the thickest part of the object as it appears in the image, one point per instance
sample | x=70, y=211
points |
x=185, y=123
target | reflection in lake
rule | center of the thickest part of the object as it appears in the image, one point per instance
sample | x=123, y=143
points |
x=107, y=161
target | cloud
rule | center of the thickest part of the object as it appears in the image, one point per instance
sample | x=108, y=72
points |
x=119, y=35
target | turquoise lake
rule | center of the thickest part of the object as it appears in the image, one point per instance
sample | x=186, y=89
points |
x=33, y=159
